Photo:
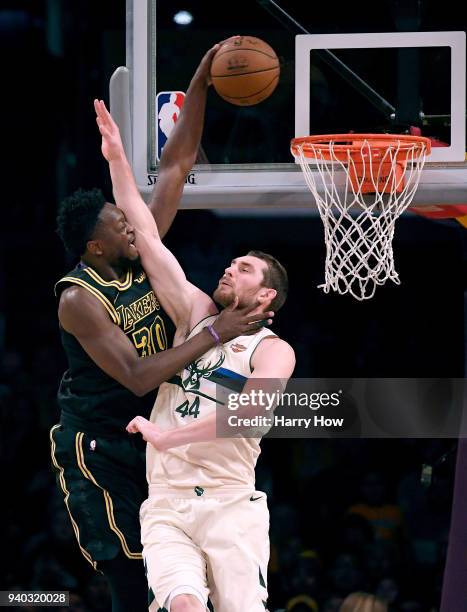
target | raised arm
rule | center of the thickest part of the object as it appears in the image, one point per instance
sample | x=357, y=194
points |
x=165, y=274
x=180, y=151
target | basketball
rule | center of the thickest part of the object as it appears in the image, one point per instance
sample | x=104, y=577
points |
x=245, y=71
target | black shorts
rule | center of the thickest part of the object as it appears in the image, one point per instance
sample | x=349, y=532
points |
x=103, y=481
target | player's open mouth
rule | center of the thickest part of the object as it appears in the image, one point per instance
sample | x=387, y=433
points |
x=131, y=244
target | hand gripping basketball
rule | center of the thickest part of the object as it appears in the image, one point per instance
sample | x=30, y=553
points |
x=245, y=70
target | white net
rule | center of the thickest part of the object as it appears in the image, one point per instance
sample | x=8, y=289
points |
x=359, y=226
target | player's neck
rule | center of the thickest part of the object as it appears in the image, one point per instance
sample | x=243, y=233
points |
x=108, y=272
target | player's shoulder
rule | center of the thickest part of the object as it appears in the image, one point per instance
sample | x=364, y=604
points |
x=72, y=296
x=273, y=357
x=77, y=307
x=273, y=348
x=273, y=343
x=87, y=278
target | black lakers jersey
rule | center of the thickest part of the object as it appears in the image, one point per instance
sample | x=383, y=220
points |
x=90, y=399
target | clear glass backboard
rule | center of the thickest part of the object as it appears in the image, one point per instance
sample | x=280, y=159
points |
x=385, y=71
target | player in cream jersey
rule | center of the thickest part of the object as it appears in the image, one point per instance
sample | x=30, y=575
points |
x=194, y=395
x=204, y=529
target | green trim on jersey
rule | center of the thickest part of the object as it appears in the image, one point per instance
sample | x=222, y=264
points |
x=271, y=335
x=261, y=579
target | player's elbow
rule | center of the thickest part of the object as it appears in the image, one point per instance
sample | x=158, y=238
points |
x=135, y=387
x=139, y=390
x=143, y=383
x=135, y=382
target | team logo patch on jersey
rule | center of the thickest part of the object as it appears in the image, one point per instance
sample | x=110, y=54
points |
x=237, y=348
x=140, y=278
x=168, y=105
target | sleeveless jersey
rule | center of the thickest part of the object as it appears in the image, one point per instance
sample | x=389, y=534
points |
x=192, y=395
x=89, y=399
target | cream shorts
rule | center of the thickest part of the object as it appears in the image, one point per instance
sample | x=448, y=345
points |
x=214, y=542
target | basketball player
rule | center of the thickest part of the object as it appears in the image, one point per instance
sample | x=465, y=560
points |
x=109, y=319
x=204, y=528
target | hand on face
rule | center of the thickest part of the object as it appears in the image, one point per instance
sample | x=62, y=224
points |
x=234, y=321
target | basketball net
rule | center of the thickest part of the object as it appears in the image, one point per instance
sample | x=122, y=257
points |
x=362, y=185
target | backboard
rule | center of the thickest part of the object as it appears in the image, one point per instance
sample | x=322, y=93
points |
x=339, y=74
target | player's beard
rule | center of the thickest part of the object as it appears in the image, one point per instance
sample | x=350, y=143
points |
x=124, y=263
x=223, y=297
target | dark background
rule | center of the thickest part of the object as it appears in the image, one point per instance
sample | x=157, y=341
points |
x=319, y=548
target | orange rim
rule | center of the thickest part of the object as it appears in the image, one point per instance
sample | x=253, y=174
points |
x=343, y=144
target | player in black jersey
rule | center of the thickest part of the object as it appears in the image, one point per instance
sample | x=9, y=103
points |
x=116, y=337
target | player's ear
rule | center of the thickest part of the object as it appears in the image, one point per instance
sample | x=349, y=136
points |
x=266, y=296
x=94, y=247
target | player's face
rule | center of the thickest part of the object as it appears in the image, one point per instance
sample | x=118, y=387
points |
x=116, y=236
x=243, y=278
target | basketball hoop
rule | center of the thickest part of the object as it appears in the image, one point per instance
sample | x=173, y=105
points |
x=363, y=184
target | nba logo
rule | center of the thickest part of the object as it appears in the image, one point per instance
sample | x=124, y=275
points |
x=168, y=105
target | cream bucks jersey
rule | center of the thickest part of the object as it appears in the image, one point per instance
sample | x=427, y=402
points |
x=192, y=395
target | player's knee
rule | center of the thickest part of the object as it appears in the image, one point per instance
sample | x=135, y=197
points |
x=186, y=603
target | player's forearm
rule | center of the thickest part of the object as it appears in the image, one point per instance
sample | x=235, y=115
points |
x=183, y=143
x=182, y=147
x=156, y=369
x=205, y=429
x=197, y=431
x=128, y=198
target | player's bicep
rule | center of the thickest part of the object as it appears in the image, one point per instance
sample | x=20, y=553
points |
x=202, y=306
x=82, y=315
x=273, y=363
x=166, y=276
x=273, y=359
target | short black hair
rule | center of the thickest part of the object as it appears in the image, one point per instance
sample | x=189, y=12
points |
x=275, y=277
x=77, y=219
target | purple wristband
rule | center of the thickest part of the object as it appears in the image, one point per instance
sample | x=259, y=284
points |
x=214, y=334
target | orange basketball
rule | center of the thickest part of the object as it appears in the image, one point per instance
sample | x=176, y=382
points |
x=245, y=71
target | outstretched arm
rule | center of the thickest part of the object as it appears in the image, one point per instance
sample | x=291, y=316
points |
x=165, y=274
x=273, y=363
x=180, y=151
x=175, y=293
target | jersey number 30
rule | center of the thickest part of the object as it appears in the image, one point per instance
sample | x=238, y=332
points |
x=151, y=340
